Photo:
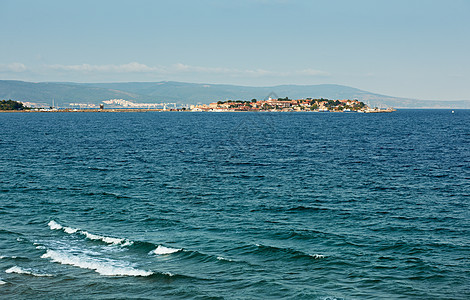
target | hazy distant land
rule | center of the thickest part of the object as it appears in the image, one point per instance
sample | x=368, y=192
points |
x=194, y=93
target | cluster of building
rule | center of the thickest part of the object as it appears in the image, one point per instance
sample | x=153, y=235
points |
x=280, y=104
x=286, y=104
x=128, y=104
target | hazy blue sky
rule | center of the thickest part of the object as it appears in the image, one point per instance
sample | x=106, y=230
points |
x=409, y=48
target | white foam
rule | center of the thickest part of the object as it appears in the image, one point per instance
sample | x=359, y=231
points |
x=54, y=225
x=106, y=239
x=109, y=240
x=223, y=258
x=2, y=282
x=70, y=230
x=164, y=250
x=317, y=256
x=20, y=270
x=104, y=267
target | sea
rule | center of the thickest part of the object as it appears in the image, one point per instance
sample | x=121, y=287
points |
x=184, y=205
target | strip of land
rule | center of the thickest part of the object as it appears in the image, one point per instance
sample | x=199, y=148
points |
x=286, y=104
x=271, y=105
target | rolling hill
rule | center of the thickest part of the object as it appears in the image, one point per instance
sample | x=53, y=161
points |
x=63, y=93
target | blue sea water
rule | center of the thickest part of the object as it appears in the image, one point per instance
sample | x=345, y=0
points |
x=235, y=205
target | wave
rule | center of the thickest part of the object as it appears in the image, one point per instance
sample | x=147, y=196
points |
x=20, y=270
x=307, y=208
x=109, y=240
x=161, y=250
x=14, y=257
x=107, y=267
x=7, y=257
x=54, y=225
x=223, y=258
x=271, y=250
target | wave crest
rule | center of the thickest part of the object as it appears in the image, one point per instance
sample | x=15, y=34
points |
x=161, y=250
x=106, y=267
x=109, y=240
x=19, y=270
x=54, y=225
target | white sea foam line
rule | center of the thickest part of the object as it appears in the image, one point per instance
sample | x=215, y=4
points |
x=2, y=282
x=20, y=270
x=103, y=267
x=54, y=225
x=70, y=230
x=317, y=256
x=12, y=257
x=223, y=258
x=160, y=250
x=109, y=240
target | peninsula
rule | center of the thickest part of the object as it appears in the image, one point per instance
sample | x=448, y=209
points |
x=271, y=105
x=286, y=104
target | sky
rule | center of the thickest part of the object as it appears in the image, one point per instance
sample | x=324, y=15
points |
x=403, y=48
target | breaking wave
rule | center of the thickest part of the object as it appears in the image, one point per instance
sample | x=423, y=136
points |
x=161, y=250
x=223, y=258
x=109, y=240
x=107, y=267
x=19, y=270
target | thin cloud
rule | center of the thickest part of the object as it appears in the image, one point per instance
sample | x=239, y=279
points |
x=133, y=67
x=181, y=69
x=312, y=72
x=208, y=70
x=13, y=67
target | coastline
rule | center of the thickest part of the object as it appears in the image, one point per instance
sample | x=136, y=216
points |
x=107, y=110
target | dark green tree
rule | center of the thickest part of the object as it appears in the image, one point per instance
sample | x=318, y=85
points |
x=11, y=105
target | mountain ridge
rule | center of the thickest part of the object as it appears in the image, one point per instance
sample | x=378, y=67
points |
x=183, y=93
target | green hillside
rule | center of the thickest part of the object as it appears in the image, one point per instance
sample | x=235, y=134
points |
x=191, y=93
x=60, y=93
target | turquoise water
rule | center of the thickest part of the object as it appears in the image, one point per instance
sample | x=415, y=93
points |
x=235, y=205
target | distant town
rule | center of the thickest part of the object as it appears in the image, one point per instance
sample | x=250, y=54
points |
x=270, y=104
x=286, y=104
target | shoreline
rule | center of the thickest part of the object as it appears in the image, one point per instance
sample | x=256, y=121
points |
x=107, y=110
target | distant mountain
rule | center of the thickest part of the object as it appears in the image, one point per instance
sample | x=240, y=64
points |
x=206, y=93
x=62, y=94
x=191, y=93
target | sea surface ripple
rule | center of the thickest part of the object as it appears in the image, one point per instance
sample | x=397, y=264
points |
x=235, y=205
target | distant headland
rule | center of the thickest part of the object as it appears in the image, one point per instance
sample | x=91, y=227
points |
x=289, y=105
x=271, y=105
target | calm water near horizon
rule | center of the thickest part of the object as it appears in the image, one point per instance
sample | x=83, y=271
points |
x=235, y=205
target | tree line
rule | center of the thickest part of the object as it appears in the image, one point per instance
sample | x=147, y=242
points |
x=11, y=105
